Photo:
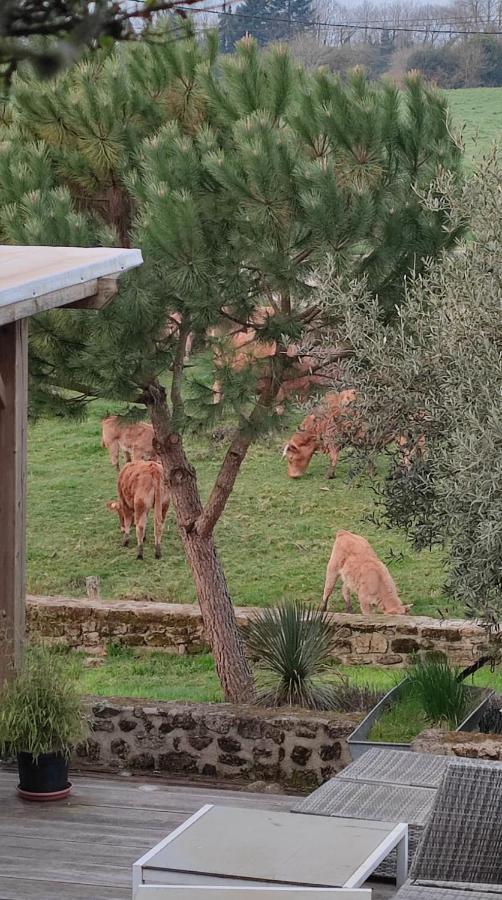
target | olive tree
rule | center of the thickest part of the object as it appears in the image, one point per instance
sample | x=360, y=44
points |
x=436, y=371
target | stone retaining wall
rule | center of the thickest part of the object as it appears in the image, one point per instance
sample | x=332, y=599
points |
x=464, y=744
x=177, y=628
x=297, y=749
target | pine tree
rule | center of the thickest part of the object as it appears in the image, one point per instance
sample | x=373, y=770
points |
x=237, y=176
x=266, y=21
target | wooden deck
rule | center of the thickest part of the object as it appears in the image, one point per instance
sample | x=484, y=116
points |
x=83, y=848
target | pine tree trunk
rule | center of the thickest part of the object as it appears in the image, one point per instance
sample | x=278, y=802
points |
x=208, y=575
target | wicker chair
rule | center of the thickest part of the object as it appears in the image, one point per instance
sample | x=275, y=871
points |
x=460, y=852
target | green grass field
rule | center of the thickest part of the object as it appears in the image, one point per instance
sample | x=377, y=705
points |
x=479, y=110
x=160, y=676
x=275, y=536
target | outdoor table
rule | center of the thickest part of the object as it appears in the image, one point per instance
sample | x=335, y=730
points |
x=264, y=848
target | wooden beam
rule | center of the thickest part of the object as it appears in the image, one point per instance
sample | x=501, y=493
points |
x=107, y=288
x=3, y=394
x=62, y=297
x=13, y=427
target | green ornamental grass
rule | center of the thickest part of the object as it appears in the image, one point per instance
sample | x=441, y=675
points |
x=41, y=709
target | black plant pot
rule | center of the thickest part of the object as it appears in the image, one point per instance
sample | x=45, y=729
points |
x=43, y=779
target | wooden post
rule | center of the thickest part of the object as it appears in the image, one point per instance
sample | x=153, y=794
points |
x=13, y=427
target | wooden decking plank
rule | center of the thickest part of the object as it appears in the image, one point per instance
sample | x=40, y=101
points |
x=83, y=848
x=34, y=889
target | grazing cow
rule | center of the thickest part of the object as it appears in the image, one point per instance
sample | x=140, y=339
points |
x=355, y=561
x=135, y=441
x=331, y=416
x=240, y=349
x=333, y=424
x=141, y=487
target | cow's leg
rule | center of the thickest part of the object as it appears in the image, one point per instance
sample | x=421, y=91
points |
x=332, y=574
x=334, y=453
x=140, y=517
x=158, y=528
x=127, y=518
x=346, y=598
x=365, y=602
x=128, y=456
x=114, y=451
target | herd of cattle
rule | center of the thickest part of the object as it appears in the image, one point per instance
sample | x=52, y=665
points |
x=141, y=487
x=332, y=425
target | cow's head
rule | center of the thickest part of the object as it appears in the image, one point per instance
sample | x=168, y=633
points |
x=116, y=506
x=298, y=452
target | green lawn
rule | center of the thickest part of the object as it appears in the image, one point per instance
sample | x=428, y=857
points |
x=160, y=676
x=480, y=109
x=275, y=537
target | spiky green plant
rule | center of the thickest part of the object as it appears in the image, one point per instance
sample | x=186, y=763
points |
x=435, y=684
x=292, y=646
x=41, y=709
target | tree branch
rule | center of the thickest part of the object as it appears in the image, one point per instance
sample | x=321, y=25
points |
x=177, y=404
x=237, y=451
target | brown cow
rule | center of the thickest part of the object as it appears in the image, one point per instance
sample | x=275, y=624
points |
x=141, y=487
x=240, y=349
x=354, y=560
x=134, y=441
x=329, y=416
x=330, y=426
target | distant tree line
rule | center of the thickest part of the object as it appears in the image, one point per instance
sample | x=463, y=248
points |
x=459, y=45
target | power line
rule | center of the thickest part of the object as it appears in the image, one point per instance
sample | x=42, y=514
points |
x=349, y=25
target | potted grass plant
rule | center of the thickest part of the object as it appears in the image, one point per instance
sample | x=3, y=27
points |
x=433, y=694
x=41, y=719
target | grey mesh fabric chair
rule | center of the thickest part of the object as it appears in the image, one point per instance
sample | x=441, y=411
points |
x=460, y=853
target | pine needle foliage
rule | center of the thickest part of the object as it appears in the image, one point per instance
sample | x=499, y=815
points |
x=41, y=709
x=235, y=174
x=292, y=646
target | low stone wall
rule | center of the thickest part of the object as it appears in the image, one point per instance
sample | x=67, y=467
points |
x=296, y=749
x=177, y=628
x=464, y=744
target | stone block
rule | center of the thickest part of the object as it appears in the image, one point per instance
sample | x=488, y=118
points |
x=230, y=759
x=120, y=748
x=178, y=763
x=229, y=745
x=127, y=724
x=300, y=755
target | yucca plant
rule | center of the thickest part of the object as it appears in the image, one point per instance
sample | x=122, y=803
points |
x=292, y=647
x=436, y=685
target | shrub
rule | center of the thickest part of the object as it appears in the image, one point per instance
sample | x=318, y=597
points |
x=356, y=697
x=41, y=709
x=435, y=684
x=292, y=647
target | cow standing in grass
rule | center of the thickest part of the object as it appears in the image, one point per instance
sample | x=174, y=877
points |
x=356, y=563
x=333, y=424
x=141, y=487
x=135, y=441
x=324, y=429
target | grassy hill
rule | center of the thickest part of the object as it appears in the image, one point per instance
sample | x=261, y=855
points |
x=479, y=110
x=275, y=536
